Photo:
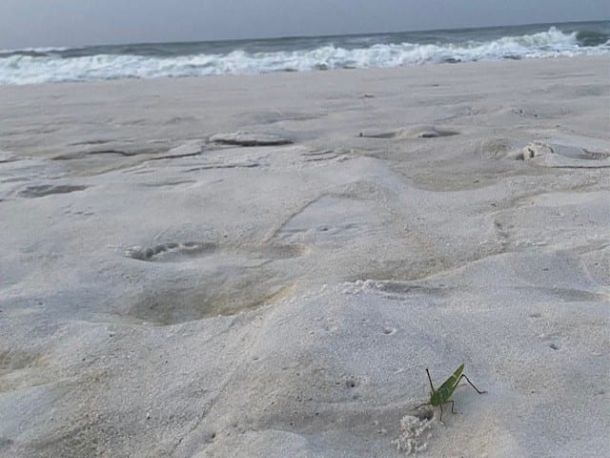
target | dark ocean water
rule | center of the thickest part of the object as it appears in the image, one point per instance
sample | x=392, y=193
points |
x=30, y=66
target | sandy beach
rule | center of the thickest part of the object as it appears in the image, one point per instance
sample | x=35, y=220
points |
x=264, y=266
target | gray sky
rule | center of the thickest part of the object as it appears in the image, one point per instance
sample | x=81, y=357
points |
x=79, y=22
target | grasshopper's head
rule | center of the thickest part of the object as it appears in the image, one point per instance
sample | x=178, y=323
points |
x=435, y=398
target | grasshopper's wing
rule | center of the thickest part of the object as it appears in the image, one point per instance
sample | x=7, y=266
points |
x=449, y=386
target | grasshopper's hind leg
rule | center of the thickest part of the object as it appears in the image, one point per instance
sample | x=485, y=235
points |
x=472, y=384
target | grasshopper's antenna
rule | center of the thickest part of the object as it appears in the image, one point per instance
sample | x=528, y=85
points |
x=430, y=379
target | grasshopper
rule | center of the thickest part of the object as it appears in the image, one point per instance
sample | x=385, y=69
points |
x=443, y=394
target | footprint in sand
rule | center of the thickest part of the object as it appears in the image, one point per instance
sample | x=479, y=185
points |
x=170, y=251
x=225, y=282
x=410, y=133
x=250, y=139
x=218, y=290
x=48, y=189
x=20, y=369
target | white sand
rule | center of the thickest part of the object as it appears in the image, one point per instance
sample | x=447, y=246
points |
x=165, y=294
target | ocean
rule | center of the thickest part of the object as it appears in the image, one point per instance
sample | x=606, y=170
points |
x=154, y=60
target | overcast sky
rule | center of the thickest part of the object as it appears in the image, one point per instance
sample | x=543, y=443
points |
x=79, y=22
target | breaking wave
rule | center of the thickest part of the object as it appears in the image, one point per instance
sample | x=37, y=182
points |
x=43, y=65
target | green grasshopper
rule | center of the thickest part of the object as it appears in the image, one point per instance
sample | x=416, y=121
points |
x=443, y=394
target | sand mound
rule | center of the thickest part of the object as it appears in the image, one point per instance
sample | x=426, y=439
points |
x=563, y=156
